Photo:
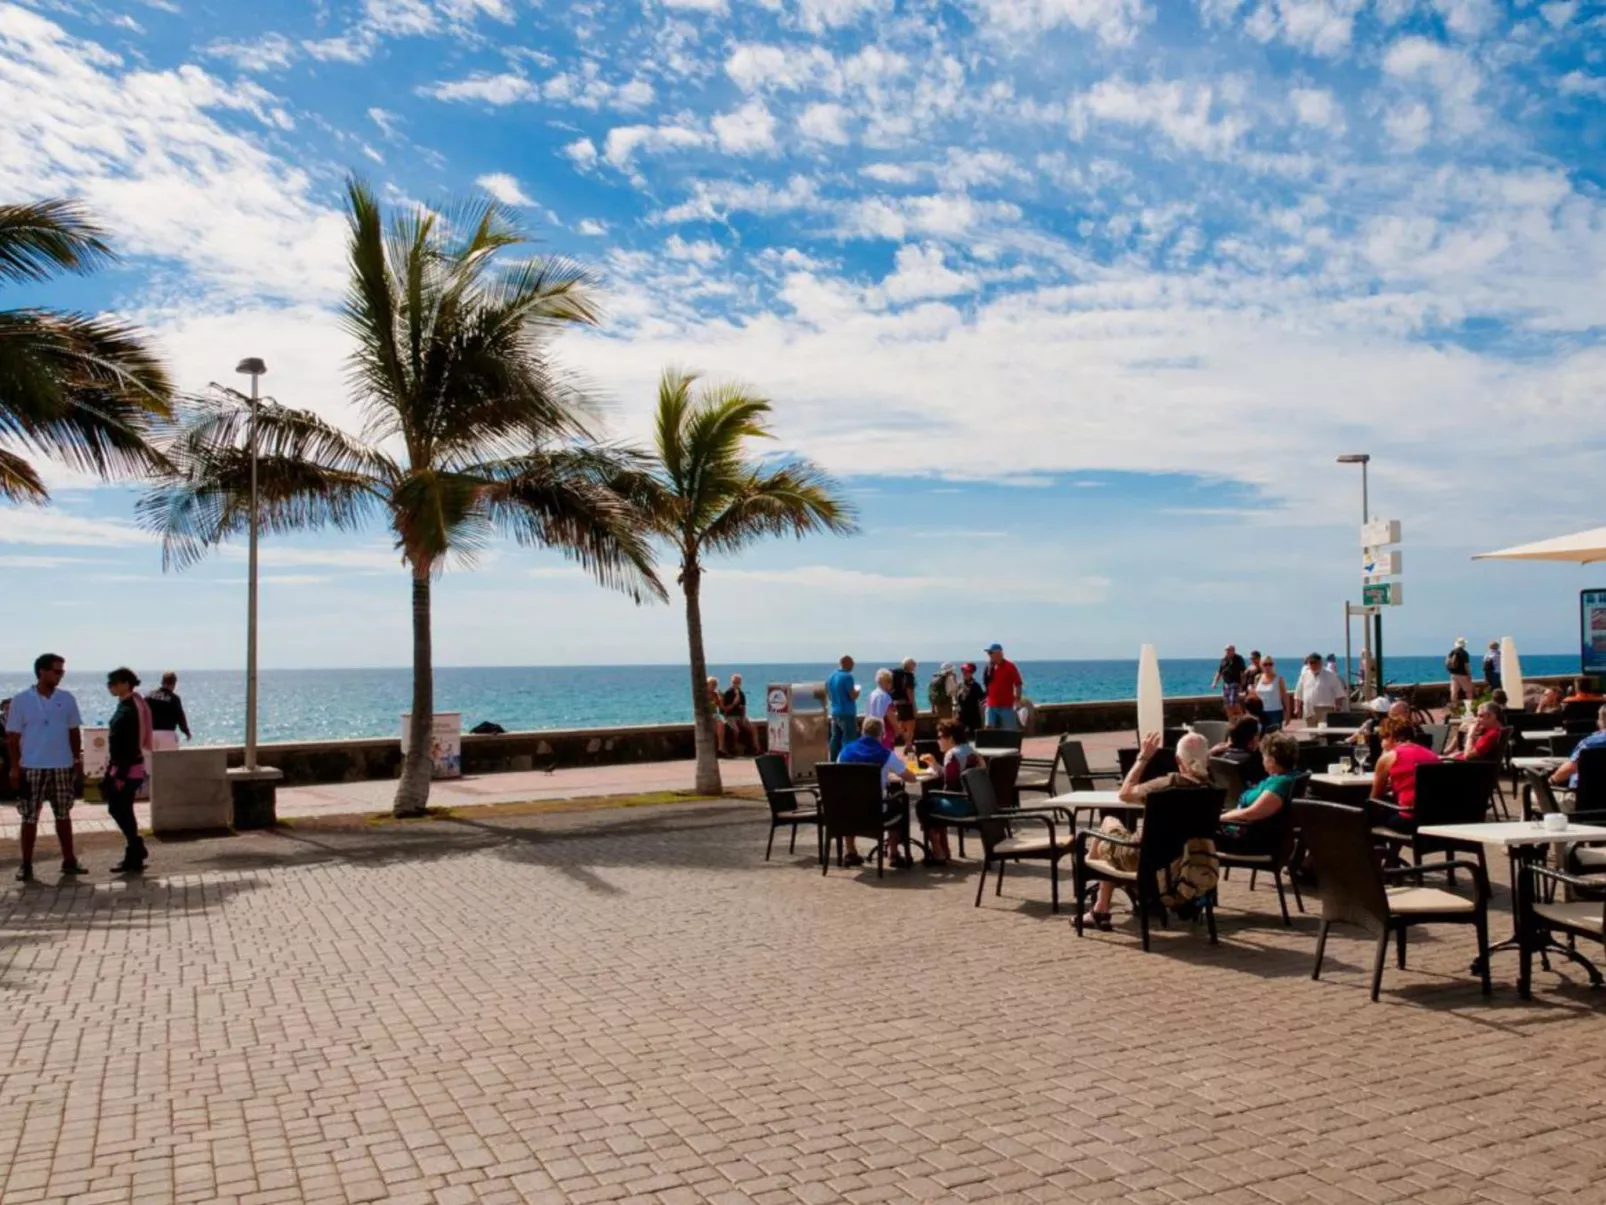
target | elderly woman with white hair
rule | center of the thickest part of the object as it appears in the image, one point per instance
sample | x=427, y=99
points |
x=1192, y=772
x=879, y=705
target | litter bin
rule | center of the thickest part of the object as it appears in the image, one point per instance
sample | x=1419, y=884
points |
x=799, y=729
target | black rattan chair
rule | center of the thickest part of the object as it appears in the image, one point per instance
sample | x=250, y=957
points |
x=1356, y=891
x=852, y=805
x=786, y=803
x=1001, y=845
x=1164, y=762
x=1281, y=847
x=998, y=738
x=1170, y=820
x=1214, y=731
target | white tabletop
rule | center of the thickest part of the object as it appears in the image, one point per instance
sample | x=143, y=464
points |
x=1091, y=799
x=1538, y=763
x=1515, y=832
x=995, y=751
x=1543, y=735
x=1334, y=730
x=1342, y=780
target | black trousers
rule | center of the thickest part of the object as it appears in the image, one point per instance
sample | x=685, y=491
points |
x=120, y=794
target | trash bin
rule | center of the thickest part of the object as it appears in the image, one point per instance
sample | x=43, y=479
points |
x=799, y=729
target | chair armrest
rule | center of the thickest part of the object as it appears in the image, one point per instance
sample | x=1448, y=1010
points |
x=814, y=791
x=1480, y=877
x=1096, y=835
x=1582, y=882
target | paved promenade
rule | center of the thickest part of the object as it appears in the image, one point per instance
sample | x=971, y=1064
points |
x=631, y=1005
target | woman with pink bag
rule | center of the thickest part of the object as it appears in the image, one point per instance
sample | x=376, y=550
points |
x=128, y=738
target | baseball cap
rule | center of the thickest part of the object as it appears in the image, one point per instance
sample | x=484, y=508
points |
x=994, y=647
x=970, y=665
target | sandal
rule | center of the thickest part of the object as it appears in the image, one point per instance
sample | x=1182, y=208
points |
x=853, y=860
x=1098, y=920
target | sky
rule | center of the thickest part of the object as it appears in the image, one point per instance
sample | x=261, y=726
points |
x=1078, y=299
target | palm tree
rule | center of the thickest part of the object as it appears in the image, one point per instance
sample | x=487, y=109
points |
x=79, y=389
x=702, y=495
x=470, y=432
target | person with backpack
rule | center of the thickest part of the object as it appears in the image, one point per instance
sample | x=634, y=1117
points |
x=1458, y=664
x=943, y=692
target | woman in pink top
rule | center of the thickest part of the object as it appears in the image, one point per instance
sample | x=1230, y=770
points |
x=1395, y=776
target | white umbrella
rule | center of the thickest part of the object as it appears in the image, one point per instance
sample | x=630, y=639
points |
x=1151, y=699
x=1511, y=672
x=1582, y=548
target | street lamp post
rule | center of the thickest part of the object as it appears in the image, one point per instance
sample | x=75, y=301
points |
x=255, y=369
x=1364, y=459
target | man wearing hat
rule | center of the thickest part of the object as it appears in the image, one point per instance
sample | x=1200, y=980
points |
x=1459, y=665
x=1003, y=682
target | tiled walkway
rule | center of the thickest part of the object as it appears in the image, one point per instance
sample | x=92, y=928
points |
x=634, y=1006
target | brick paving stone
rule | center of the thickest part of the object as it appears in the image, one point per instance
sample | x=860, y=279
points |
x=634, y=1006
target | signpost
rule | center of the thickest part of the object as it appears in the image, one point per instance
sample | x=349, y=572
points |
x=1382, y=594
x=1379, y=565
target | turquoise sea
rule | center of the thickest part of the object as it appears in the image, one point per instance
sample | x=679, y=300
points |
x=329, y=704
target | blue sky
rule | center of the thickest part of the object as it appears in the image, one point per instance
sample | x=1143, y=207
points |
x=1079, y=298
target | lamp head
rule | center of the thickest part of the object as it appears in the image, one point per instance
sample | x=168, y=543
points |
x=252, y=367
x=1354, y=458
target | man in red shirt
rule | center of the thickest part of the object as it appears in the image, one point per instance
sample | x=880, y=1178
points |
x=1003, y=689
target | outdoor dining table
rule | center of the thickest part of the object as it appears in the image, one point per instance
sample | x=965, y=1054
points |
x=1091, y=801
x=1525, y=843
x=987, y=751
x=1538, y=763
x=1342, y=788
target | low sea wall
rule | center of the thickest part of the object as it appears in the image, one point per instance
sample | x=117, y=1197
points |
x=305, y=763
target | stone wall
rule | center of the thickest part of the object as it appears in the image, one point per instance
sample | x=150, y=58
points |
x=308, y=762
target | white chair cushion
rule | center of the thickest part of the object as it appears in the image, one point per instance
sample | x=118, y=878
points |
x=1428, y=899
x=1579, y=914
x=1591, y=855
x=1110, y=870
x=1012, y=847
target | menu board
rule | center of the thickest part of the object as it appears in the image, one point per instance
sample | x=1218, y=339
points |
x=1592, y=631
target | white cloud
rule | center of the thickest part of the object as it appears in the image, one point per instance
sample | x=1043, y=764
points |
x=389, y=123
x=755, y=66
x=825, y=122
x=157, y=157
x=705, y=6
x=857, y=584
x=1579, y=83
x=1559, y=12
x=582, y=152
x=701, y=251
x=592, y=228
x=1319, y=27
x=831, y=14
x=1115, y=22
x=624, y=142
x=55, y=528
x=1185, y=112
x=748, y=130
x=1467, y=18
x=1450, y=77
x=270, y=52
x=922, y=272
x=504, y=188
x=504, y=88
x=893, y=173
x=1317, y=107
x=1409, y=125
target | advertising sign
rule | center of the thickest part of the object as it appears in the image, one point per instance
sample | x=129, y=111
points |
x=1383, y=594
x=1379, y=532
x=778, y=707
x=445, y=743
x=1592, y=631
x=1377, y=563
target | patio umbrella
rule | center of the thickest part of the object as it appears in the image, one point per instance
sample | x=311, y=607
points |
x=1151, y=699
x=1511, y=672
x=1582, y=548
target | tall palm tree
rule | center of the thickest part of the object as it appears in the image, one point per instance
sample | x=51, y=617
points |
x=703, y=495
x=470, y=431
x=76, y=388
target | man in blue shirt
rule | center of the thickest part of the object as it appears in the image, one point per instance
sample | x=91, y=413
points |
x=47, y=759
x=1567, y=775
x=869, y=751
x=842, y=694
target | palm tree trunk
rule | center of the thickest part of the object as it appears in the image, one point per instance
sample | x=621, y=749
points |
x=412, y=794
x=708, y=781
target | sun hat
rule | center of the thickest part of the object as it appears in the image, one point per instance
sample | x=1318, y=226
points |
x=1460, y=642
x=1380, y=705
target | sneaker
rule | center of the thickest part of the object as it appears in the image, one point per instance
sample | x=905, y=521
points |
x=25, y=873
x=74, y=867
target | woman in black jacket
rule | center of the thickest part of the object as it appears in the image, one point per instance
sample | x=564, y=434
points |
x=127, y=738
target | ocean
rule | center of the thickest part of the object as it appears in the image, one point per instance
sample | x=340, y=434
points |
x=331, y=704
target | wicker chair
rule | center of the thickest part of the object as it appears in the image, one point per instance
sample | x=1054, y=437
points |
x=1355, y=890
x=1279, y=858
x=786, y=803
x=1001, y=845
x=853, y=805
x=1170, y=820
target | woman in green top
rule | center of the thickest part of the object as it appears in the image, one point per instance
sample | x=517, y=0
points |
x=1252, y=826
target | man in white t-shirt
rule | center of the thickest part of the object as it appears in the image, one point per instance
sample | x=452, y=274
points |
x=1320, y=691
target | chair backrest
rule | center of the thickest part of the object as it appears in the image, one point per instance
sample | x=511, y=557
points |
x=850, y=798
x=1163, y=763
x=978, y=786
x=999, y=738
x=1438, y=736
x=776, y=777
x=1172, y=735
x=1530, y=721
x=1170, y=820
x=1340, y=843
x=1003, y=771
x=1583, y=711
x=1591, y=795
x=1228, y=777
x=932, y=749
x=1214, y=731
x=1315, y=757
x=1543, y=798
x=1454, y=792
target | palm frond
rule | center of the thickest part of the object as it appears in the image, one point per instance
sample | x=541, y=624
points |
x=795, y=499
x=438, y=515
x=18, y=480
x=577, y=501
x=41, y=239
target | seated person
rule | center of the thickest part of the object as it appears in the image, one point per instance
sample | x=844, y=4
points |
x=1244, y=829
x=1393, y=802
x=1583, y=692
x=869, y=751
x=716, y=712
x=957, y=757
x=1193, y=770
x=1255, y=708
x=1242, y=749
x=1567, y=774
x=1550, y=701
x=1370, y=732
x=1479, y=738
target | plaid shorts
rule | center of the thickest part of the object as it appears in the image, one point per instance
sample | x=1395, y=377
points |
x=58, y=786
